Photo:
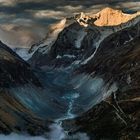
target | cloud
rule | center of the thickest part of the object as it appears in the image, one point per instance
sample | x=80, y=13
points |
x=49, y=14
x=14, y=2
x=21, y=36
x=56, y=133
x=133, y=6
x=23, y=21
x=8, y=2
x=31, y=17
x=71, y=8
x=6, y=16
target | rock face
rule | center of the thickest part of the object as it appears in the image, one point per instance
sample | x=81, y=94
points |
x=13, y=70
x=117, y=60
x=14, y=116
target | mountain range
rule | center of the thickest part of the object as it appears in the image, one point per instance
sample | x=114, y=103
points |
x=92, y=62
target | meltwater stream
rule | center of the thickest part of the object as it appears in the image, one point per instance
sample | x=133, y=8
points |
x=68, y=96
x=64, y=97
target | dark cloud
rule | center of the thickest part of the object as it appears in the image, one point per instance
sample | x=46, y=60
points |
x=35, y=15
x=31, y=8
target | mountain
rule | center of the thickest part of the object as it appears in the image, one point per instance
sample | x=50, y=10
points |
x=15, y=73
x=45, y=45
x=80, y=38
x=104, y=46
x=111, y=17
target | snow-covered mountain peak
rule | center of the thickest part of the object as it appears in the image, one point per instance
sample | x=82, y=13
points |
x=112, y=17
x=105, y=17
x=78, y=38
x=53, y=31
x=60, y=25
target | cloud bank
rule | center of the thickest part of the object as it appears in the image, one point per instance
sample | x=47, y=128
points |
x=28, y=19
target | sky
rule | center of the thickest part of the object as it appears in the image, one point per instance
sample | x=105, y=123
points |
x=24, y=22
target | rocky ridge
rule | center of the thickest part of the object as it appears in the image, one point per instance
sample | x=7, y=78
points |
x=78, y=41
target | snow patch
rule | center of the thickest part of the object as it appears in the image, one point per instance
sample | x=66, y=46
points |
x=112, y=89
x=129, y=80
x=69, y=56
x=58, y=57
x=23, y=53
x=80, y=38
x=65, y=55
x=51, y=37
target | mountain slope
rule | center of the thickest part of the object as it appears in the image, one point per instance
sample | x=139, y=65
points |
x=14, y=71
x=117, y=116
x=14, y=115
